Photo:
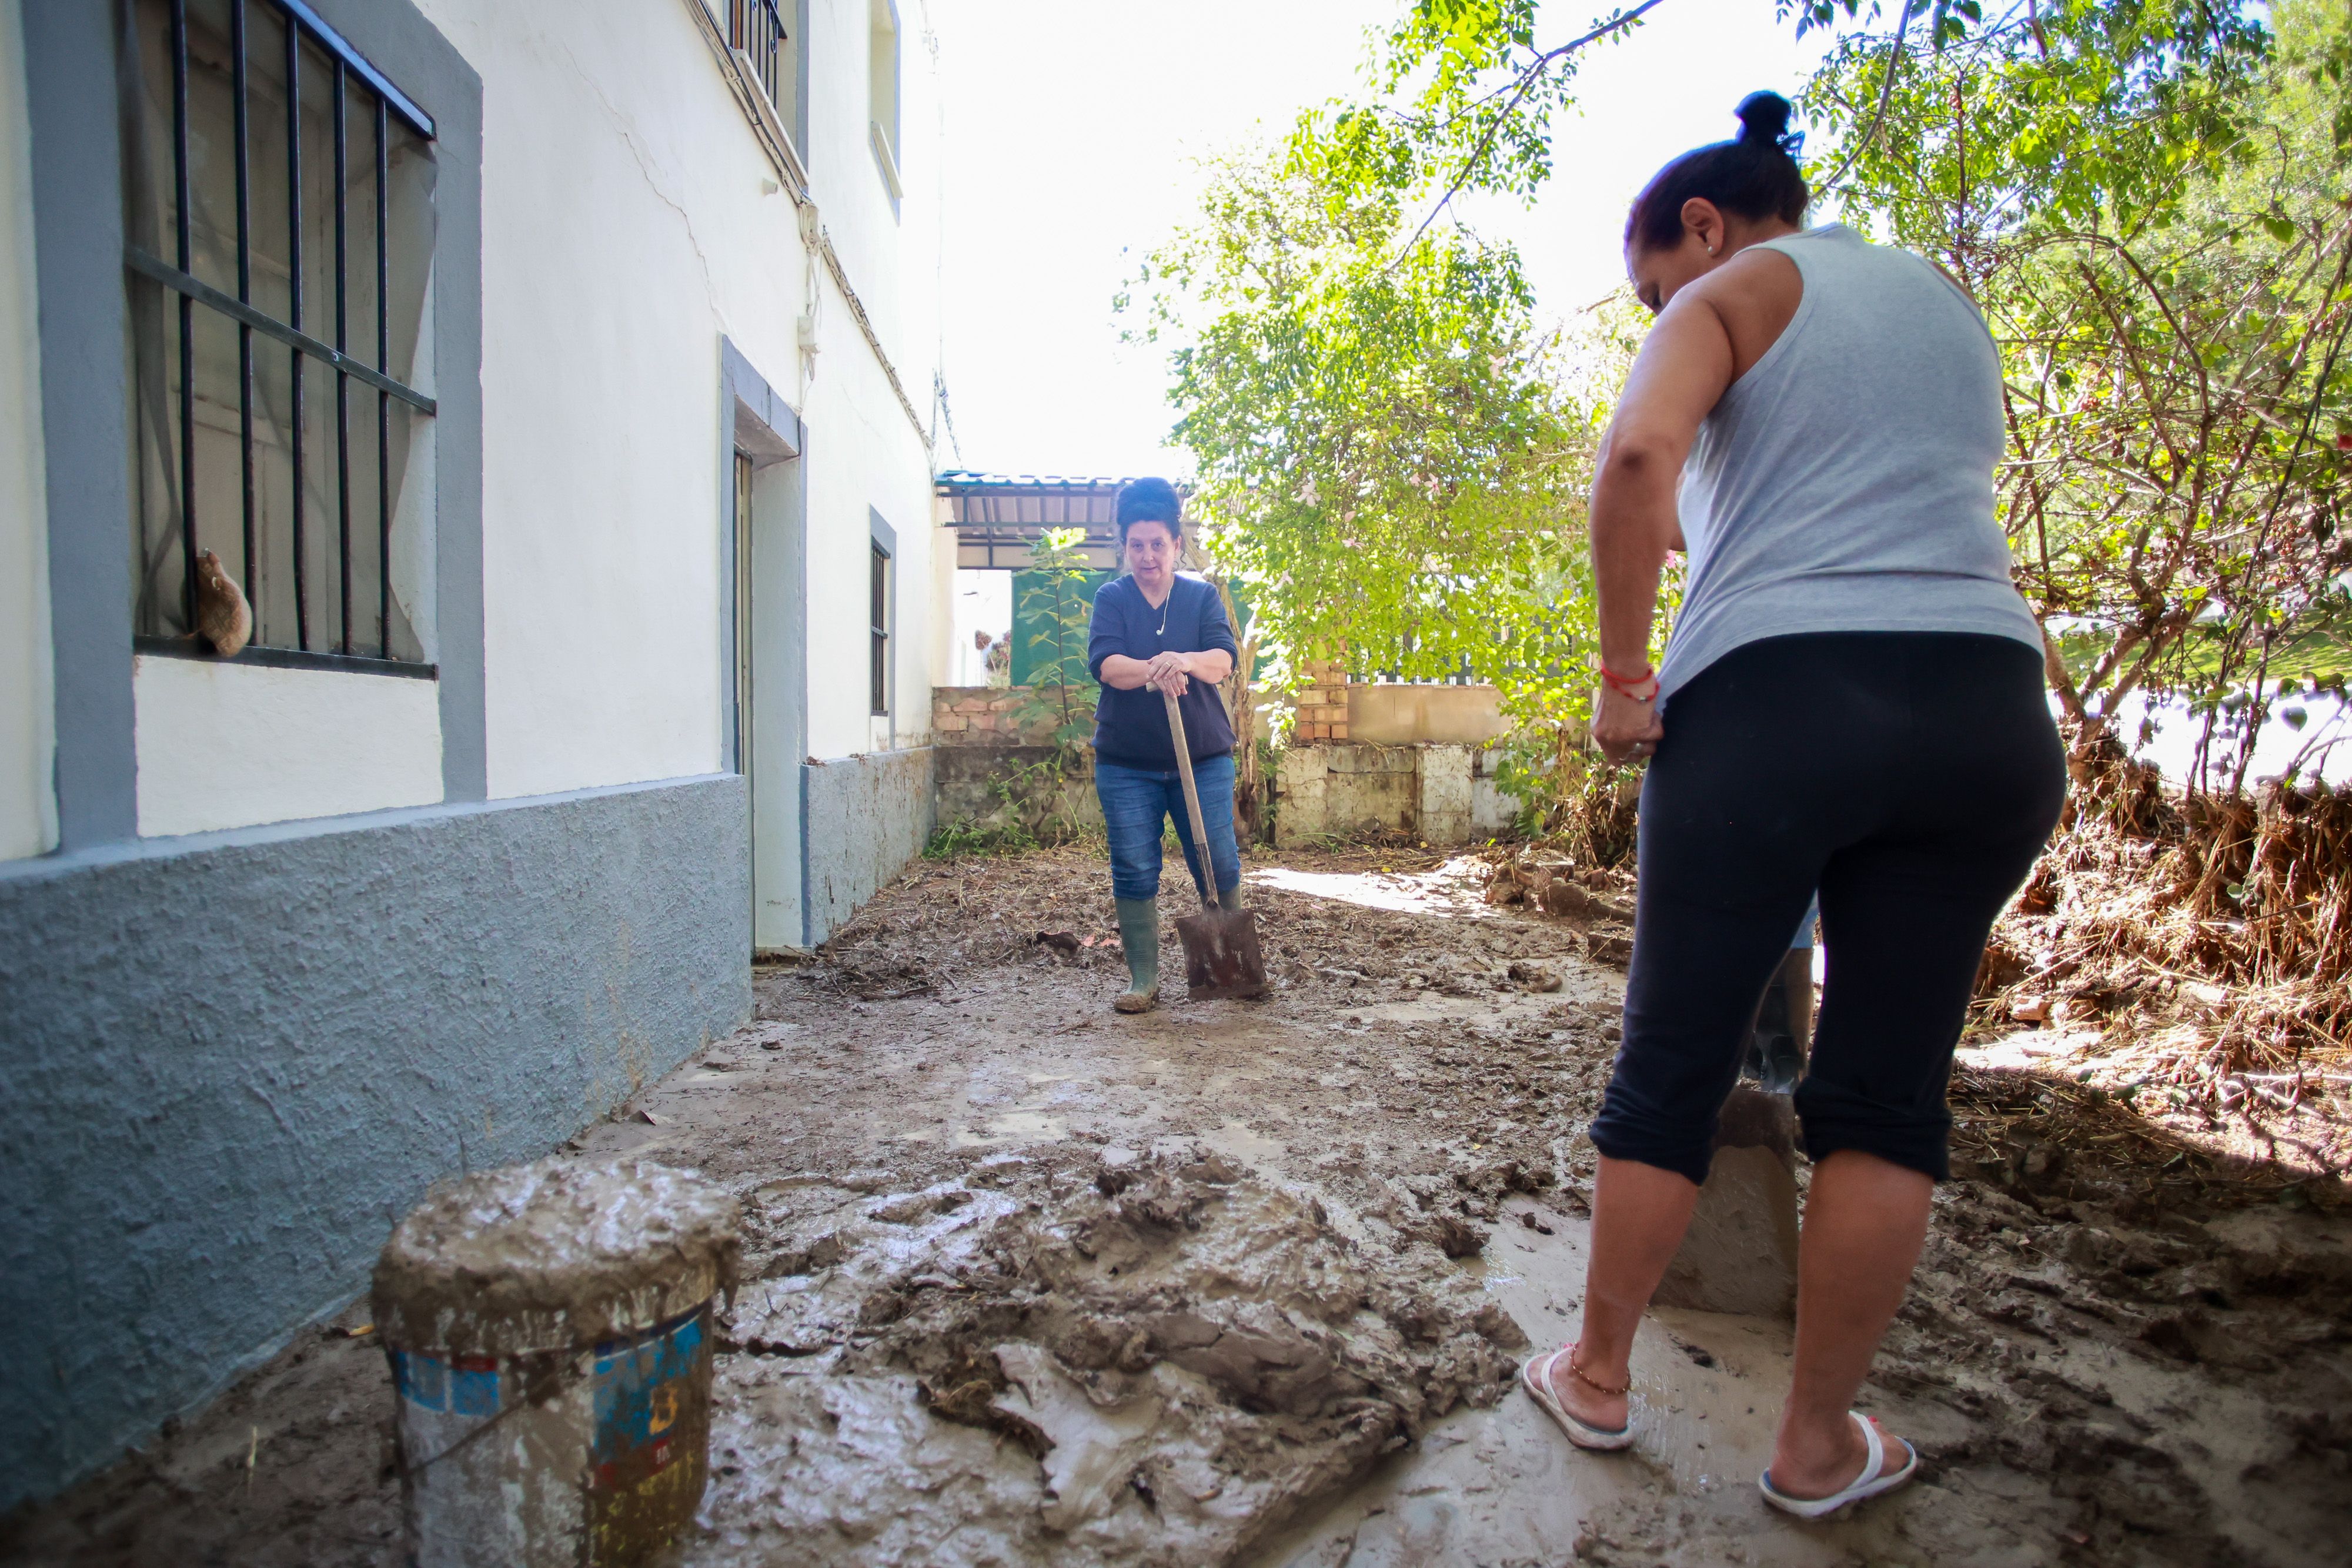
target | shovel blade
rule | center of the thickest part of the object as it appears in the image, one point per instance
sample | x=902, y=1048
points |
x=1221, y=954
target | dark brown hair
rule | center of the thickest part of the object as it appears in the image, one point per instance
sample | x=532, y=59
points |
x=1754, y=176
x=1149, y=501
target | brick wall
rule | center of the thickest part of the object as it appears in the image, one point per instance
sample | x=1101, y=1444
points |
x=1322, y=704
x=988, y=716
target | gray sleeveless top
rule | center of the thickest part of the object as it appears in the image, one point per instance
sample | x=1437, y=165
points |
x=1845, y=484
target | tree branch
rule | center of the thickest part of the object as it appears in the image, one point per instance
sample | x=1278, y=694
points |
x=1885, y=93
x=1529, y=75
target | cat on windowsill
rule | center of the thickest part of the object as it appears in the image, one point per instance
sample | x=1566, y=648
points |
x=223, y=618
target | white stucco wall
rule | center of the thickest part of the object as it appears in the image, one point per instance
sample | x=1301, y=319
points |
x=28, y=817
x=629, y=220
x=865, y=452
x=229, y=746
x=855, y=463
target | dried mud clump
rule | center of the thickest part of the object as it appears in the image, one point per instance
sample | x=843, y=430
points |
x=1073, y=1357
x=1596, y=900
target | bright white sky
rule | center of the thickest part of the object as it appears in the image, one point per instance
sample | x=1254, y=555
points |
x=1071, y=130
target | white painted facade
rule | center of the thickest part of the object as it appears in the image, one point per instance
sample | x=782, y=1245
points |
x=608, y=122
x=631, y=221
x=471, y=857
x=28, y=815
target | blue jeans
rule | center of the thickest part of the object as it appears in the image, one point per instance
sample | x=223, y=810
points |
x=1136, y=800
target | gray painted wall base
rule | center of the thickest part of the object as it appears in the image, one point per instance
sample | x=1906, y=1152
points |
x=232, y=1061
x=863, y=820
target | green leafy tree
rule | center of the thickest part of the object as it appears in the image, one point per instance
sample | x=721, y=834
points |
x=1391, y=458
x=1057, y=601
x=1463, y=96
x=2146, y=198
x=2148, y=203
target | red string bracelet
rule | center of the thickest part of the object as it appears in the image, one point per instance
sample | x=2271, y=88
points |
x=1631, y=689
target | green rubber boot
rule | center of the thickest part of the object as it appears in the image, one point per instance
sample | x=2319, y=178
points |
x=1139, y=934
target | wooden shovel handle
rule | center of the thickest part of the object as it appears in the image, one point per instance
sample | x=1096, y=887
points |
x=1192, y=799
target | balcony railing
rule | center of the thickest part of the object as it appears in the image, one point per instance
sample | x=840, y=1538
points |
x=757, y=29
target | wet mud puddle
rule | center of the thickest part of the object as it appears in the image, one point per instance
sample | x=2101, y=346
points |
x=1028, y=1283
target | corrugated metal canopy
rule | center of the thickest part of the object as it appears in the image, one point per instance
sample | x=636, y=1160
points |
x=998, y=516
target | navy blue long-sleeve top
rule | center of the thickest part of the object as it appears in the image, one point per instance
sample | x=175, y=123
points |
x=1131, y=728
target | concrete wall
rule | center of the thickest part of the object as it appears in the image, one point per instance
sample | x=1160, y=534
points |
x=630, y=220
x=867, y=817
x=1394, y=714
x=28, y=813
x=1353, y=790
x=993, y=788
x=867, y=454
x=234, y=1060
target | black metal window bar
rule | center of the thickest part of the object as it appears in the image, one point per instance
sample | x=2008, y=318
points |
x=266, y=147
x=757, y=27
x=880, y=671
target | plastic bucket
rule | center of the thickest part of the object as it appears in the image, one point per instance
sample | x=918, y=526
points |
x=550, y=1333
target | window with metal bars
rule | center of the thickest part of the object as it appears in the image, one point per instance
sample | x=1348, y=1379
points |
x=279, y=242
x=756, y=30
x=880, y=582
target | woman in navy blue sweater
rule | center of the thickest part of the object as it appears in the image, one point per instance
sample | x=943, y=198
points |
x=1157, y=629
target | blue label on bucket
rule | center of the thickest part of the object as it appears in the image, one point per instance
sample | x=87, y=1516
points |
x=641, y=1392
x=462, y=1386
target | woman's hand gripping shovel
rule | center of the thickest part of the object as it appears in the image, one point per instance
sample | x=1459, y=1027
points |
x=1220, y=951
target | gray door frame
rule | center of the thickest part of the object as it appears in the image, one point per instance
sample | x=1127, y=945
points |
x=771, y=588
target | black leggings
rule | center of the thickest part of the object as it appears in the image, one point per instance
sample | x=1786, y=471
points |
x=1912, y=776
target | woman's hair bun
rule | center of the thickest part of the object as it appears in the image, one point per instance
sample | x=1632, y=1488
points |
x=1763, y=117
x=1754, y=177
x=1149, y=501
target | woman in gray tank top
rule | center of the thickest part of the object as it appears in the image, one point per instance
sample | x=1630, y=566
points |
x=1851, y=701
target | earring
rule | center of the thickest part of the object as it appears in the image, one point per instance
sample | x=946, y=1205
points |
x=1710, y=250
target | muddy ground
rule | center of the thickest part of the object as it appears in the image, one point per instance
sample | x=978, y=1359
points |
x=1029, y=1282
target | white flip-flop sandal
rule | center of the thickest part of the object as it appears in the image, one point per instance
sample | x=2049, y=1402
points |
x=1871, y=1483
x=1535, y=1377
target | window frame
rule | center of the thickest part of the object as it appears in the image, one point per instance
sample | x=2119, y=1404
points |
x=772, y=53
x=878, y=597
x=73, y=56
x=885, y=138
x=184, y=291
x=883, y=670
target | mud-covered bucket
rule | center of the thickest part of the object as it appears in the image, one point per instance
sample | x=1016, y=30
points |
x=549, y=1331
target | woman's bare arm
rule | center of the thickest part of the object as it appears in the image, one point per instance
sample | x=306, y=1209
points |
x=1707, y=337
x=1126, y=674
x=1123, y=674
x=1681, y=372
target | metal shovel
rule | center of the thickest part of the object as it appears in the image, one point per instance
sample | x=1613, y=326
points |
x=1220, y=951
